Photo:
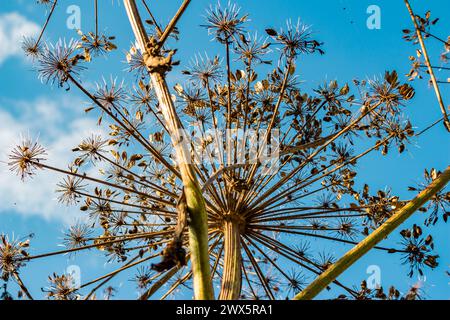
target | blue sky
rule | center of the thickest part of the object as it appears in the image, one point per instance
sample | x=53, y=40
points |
x=352, y=51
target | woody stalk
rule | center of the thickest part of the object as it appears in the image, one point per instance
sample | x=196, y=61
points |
x=158, y=65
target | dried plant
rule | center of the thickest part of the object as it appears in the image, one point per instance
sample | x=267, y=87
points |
x=145, y=208
x=422, y=31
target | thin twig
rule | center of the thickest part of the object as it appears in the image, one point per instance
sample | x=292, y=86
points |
x=173, y=23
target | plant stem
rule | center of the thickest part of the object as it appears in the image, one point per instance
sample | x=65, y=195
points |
x=173, y=22
x=428, y=63
x=322, y=281
x=198, y=227
x=46, y=23
x=22, y=286
x=231, y=276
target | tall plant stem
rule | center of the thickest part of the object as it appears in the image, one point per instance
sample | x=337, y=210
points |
x=171, y=26
x=429, y=66
x=322, y=281
x=232, y=276
x=198, y=227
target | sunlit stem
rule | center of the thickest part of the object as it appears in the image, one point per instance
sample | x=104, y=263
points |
x=374, y=238
x=428, y=63
x=231, y=276
x=291, y=255
x=198, y=226
x=171, y=26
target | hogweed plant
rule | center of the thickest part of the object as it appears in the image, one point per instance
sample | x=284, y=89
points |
x=223, y=183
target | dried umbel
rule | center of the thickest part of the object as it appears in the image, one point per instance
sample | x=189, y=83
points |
x=440, y=202
x=31, y=48
x=224, y=23
x=61, y=288
x=57, y=62
x=417, y=250
x=26, y=157
x=262, y=210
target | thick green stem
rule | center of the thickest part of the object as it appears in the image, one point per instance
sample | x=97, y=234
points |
x=322, y=281
x=231, y=276
x=198, y=227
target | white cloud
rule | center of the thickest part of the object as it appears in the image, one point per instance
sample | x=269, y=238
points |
x=60, y=124
x=13, y=27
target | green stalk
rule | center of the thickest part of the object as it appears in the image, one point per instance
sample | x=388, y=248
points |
x=322, y=281
x=198, y=227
